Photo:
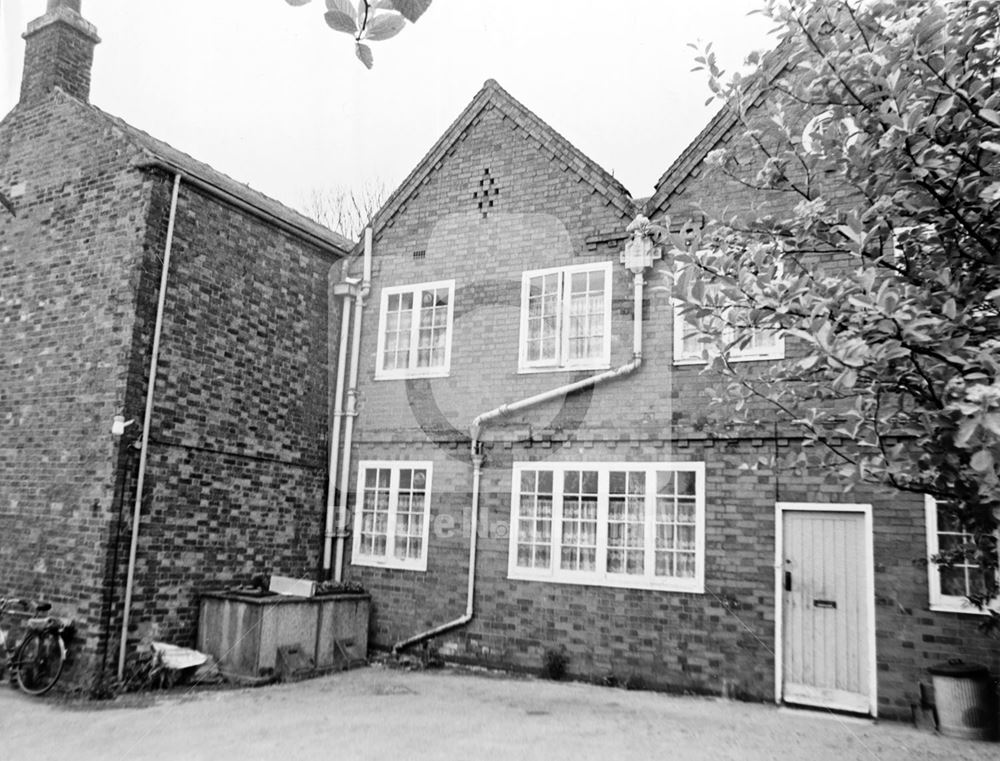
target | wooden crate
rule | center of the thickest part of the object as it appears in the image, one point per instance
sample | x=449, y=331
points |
x=244, y=631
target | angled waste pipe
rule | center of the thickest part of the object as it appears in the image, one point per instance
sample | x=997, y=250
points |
x=147, y=420
x=637, y=257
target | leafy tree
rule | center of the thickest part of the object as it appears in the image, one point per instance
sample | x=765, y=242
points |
x=370, y=21
x=870, y=141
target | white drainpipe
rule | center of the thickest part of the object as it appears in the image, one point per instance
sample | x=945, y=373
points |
x=638, y=256
x=352, y=407
x=144, y=452
x=348, y=290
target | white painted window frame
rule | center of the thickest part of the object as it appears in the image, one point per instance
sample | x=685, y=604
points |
x=413, y=371
x=389, y=560
x=772, y=352
x=599, y=577
x=560, y=362
x=937, y=600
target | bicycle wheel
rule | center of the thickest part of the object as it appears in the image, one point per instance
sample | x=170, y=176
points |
x=39, y=661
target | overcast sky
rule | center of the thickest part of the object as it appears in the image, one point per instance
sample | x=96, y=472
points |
x=268, y=94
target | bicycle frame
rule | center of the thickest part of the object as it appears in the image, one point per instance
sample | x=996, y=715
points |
x=36, y=661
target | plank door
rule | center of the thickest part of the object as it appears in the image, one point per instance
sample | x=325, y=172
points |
x=825, y=595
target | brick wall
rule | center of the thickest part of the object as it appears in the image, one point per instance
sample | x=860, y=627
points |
x=235, y=482
x=67, y=281
x=909, y=636
x=236, y=478
x=719, y=641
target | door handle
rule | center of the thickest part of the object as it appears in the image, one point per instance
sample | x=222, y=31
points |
x=788, y=581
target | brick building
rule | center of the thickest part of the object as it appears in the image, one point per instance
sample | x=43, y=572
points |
x=612, y=524
x=235, y=462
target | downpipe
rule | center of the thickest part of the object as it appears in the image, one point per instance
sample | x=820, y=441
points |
x=144, y=451
x=352, y=408
x=477, y=467
x=348, y=291
x=638, y=256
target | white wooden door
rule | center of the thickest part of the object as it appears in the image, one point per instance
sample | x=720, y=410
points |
x=825, y=603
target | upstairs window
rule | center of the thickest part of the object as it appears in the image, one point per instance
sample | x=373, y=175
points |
x=566, y=318
x=414, y=335
x=392, y=514
x=951, y=585
x=760, y=344
x=639, y=525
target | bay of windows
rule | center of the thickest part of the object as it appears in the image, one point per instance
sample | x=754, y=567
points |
x=612, y=524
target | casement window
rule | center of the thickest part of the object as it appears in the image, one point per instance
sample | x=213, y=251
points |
x=566, y=318
x=639, y=525
x=951, y=585
x=392, y=514
x=414, y=333
x=688, y=349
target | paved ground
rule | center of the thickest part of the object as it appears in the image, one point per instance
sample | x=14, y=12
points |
x=375, y=713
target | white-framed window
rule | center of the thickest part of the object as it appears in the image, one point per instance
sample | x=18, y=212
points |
x=566, y=318
x=414, y=330
x=688, y=349
x=392, y=514
x=623, y=524
x=951, y=585
x=904, y=240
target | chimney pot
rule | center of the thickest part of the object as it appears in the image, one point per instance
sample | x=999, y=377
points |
x=73, y=5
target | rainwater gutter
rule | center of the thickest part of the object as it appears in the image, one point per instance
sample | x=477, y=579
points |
x=299, y=231
x=638, y=256
x=147, y=420
x=352, y=408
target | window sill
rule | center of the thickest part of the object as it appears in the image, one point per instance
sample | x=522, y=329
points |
x=435, y=373
x=745, y=358
x=757, y=358
x=691, y=586
x=564, y=369
x=963, y=606
x=397, y=565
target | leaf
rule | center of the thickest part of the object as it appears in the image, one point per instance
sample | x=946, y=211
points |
x=341, y=22
x=343, y=6
x=384, y=26
x=364, y=54
x=982, y=460
x=991, y=422
x=411, y=9
x=993, y=117
x=966, y=431
x=296, y=2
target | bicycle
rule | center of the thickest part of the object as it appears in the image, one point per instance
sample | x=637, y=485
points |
x=37, y=661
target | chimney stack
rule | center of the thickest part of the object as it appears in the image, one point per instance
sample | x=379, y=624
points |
x=59, y=52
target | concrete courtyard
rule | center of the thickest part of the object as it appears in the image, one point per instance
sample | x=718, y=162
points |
x=375, y=713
